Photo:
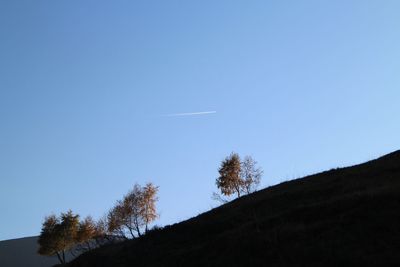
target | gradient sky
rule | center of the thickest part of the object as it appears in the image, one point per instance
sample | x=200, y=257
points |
x=302, y=86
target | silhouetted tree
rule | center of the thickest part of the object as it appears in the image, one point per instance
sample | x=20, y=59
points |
x=237, y=177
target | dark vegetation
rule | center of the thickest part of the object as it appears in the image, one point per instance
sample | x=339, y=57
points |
x=341, y=217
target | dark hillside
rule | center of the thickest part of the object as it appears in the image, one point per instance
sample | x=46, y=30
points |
x=348, y=216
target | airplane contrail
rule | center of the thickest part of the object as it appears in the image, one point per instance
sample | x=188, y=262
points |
x=190, y=114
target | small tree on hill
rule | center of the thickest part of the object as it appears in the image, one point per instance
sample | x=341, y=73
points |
x=115, y=222
x=68, y=229
x=250, y=174
x=229, y=180
x=87, y=231
x=132, y=205
x=49, y=239
x=136, y=210
x=149, y=212
x=237, y=177
x=58, y=235
x=66, y=233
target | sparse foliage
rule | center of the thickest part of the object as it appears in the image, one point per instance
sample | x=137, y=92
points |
x=135, y=211
x=217, y=197
x=250, y=174
x=150, y=198
x=87, y=231
x=101, y=236
x=237, y=177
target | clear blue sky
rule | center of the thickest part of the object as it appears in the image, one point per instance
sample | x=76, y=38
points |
x=302, y=86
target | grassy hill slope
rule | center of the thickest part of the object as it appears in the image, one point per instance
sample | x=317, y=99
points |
x=348, y=216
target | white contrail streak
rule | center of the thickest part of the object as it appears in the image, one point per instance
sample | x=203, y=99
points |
x=190, y=114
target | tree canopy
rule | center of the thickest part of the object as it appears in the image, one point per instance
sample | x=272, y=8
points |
x=238, y=177
x=134, y=212
x=66, y=233
x=58, y=235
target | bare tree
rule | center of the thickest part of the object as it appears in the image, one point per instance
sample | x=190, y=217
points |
x=250, y=174
x=217, y=197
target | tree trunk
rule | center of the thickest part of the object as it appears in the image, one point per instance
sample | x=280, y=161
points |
x=137, y=227
x=63, y=256
x=237, y=189
x=238, y=193
x=138, y=231
x=59, y=257
x=130, y=231
x=88, y=245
